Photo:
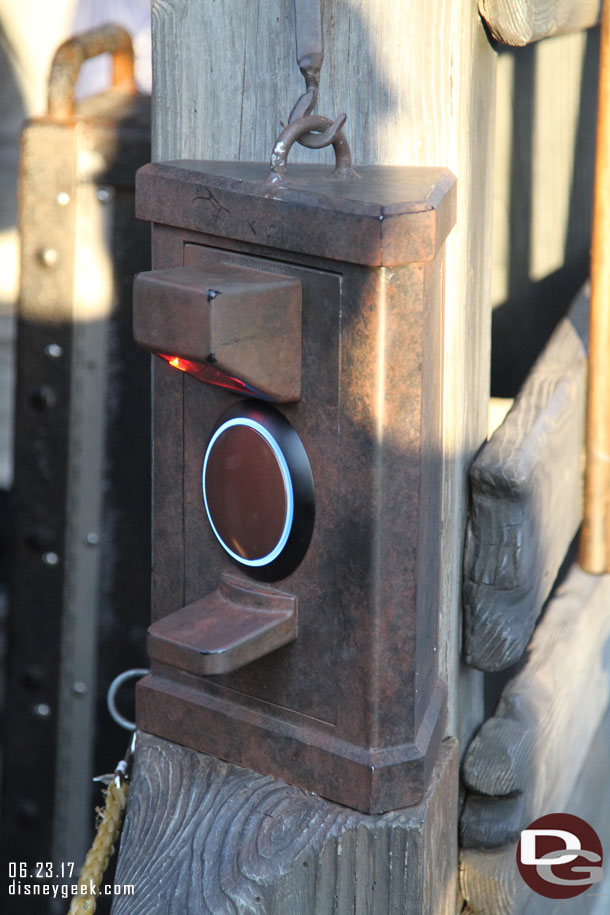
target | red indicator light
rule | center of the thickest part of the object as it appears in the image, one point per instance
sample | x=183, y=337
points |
x=211, y=375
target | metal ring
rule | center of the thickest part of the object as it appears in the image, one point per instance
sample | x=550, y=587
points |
x=116, y=684
x=330, y=133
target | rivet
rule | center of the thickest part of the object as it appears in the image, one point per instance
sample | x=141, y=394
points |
x=48, y=256
x=50, y=558
x=79, y=687
x=63, y=199
x=103, y=195
x=53, y=350
x=42, y=710
x=92, y=538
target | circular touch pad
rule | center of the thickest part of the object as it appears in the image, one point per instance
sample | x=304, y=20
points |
x=248, y=492
x=258, y=490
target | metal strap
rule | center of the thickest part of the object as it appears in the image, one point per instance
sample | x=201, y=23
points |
x=310, y=53
x=310, y=40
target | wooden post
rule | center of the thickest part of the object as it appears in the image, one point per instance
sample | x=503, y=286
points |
x=594, y=553
x=526, y=486
x=228, y=840
x=519, y=22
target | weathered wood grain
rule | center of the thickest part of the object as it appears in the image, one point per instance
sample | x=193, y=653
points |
x=526, y=758
x=202, y=836
x=526, y=501
x=519, y=22
x=489, y=878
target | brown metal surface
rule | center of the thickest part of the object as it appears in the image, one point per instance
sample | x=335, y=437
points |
x=353, y=708
x=237, y=624
x=70, y=56
x=389, y=216
x=245, y=323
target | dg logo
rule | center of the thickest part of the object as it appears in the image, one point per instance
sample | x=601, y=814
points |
x=560, y=856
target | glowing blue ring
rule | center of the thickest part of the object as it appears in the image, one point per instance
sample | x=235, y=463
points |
x=275, y=552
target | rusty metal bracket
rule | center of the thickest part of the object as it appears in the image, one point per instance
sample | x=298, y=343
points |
x=70, y=56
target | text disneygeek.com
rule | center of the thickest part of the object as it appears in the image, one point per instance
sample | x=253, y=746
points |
x=35, y=880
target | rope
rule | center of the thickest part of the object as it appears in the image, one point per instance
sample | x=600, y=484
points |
x=108, y=830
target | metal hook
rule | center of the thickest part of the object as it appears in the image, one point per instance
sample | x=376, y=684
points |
x=309, y=130
x=304, y=105
x=123, y=767
x=324, y=137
